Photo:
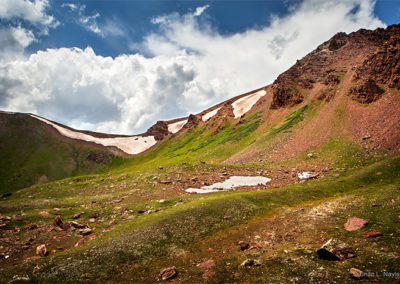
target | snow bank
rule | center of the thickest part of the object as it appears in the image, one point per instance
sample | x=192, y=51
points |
x=243, y=105
x=129, y=145
x=304, y=175
x=175, y=127
x=210, y=114
x=231, y=183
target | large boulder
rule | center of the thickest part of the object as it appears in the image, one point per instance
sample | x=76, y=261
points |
x=335, y=249
x=354, y=224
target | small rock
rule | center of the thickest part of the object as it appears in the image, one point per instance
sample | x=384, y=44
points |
x=45, y=214
x=86, y=231
x=335, y=249
x=208, y=274
x=355, y=273
x=206, y=264
x=94, y=215
x=354, y=224
x=77, y=215
x=310, y=155
x=247, y=263
x=211, y=250
x=366, y=137
x=56, y=209
x=77, y=225
x=92, y=220
x=243, y=245
x=31, y=227
x=168, y=273
x=379, y=173
x=58, y=221
x=368, y=235
x=112, y=222
x=42, y=250
x=85, y=240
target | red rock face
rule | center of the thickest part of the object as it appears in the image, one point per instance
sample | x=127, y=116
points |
x=367, y=92
x=354, y=224
x=384, y=64
x=158, y=130
x=374, y=55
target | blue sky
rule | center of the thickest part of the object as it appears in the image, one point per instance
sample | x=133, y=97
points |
x=133, y=18
x=119, y=66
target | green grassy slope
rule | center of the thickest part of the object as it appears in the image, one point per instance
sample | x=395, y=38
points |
x=31, y=153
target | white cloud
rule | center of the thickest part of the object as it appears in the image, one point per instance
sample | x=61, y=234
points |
x=89, y=22
x=200, y=10
x=192, y=67
x=31, y=11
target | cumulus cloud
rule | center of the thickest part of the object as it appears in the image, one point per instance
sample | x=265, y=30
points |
x=191, y=66
x=31, y=11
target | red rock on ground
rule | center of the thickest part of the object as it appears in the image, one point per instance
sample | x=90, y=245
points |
x=208, y=274
x=45, y=214
x=243, y=245
x=354, y=224
x=168, y=273
x=335, y=249
x=42, y=250
x=85, y=240
x=368, y=235
x=58, y=221
x=355, y=273
x=206, y=264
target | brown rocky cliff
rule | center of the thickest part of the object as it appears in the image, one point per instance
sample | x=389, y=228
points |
x=374, y=54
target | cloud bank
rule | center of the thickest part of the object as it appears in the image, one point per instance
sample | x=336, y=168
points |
x=188, y=67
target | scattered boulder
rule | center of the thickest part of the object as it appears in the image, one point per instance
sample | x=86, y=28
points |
x=354, y=224
x=243, y=245
x=77, y=225
x=31, y=227
x=355, y=273
x=45, y=213
x=77, y=215
x=85, y=240
x=335, y=249
x=247, y=263
x=368, y=235
x=58, y=221
x=42, y=250
x=206, y=264
x=208, y=274
x=168, y=273
x=86, y=231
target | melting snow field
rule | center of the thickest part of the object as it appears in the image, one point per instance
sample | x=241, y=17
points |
x=130, y=145
x=243, y=105
x=210, y=114
x=231, y=183
x=304, y=175
x=175, y=127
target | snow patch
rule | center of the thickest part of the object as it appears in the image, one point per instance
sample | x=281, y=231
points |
x=210, y=114
x=175, y=127
x=130, y=145
x=231, y=183
x=304, y=175
x=243, y=105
